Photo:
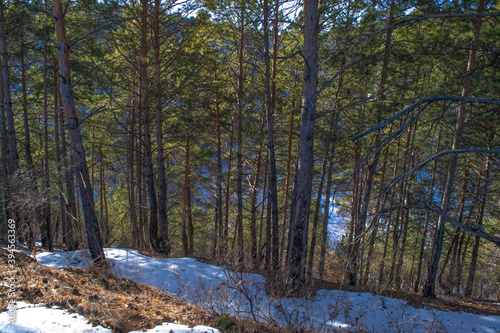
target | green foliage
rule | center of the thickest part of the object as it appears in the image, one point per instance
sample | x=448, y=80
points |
x=225, y=322
x=198, y=64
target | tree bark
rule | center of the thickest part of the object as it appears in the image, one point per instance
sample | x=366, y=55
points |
x=239, y=167
x=287, y=182
x=225, y=237
x=381, y=274
x=426, y=223
x=163, y=241
x=429, y=289
x=475, y=249
x=253, y=204
x=11, y=132
x=373, y=234
x=47, y=227
x=6, y=167
x=404, y=232
x=148, y=154
x=301, y=200
x=372, y=168
x=134, y=227
x=270, y=108
x=187, y=220
x=34, y=209
x=263, y=206
x=218, y=182
x=70, y=206
x=319, y=197
x=91, y=222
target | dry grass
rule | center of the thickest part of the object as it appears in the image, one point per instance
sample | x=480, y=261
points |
x=123, y=305
x=116, y=303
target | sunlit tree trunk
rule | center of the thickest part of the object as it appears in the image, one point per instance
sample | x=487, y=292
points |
x=301, y=200
x=91, y=222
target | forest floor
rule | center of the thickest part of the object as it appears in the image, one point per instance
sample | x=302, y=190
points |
x=103, y=299
x=123, y=305
x=416, y=300
x=468, y=305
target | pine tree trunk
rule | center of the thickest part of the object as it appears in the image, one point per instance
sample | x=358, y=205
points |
x=225, y=238
x=301, y=200
x=381, y=273
x=326, y=216
x=11, y=132
x=70, y=202
x=163, y=242
x=6, y=167
x=429, y=289
x=148, y=151
x=408, y=191
x=373, y=234
x=47, y=228
x=475, y=250
x=452, y=279
x=134, y=227
x=426, y=223
x=218, y=182
x=35, y=210
x=372, y=168
x=319, y=198
x=253, y=204
x=287, y=182
x=187, y=222
x=140, y=177
x=63, y=215
x=270, y=108
x=91, y=223
x=239, y=167
x=263, y=206
x=356, y=201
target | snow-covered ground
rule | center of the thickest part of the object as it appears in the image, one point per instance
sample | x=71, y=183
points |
x=40, y=319
x=243, y=295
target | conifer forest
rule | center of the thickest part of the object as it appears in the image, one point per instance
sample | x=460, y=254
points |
x=354, y=141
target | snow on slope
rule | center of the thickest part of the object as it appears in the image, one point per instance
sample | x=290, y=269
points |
x=243, y=295
x=39, y=319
